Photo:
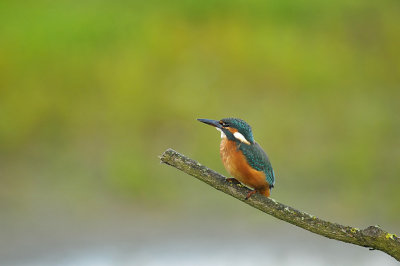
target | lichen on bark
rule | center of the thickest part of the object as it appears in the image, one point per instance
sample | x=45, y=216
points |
x=372, y=237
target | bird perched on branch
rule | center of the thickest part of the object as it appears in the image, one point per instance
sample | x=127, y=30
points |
x=243, y=158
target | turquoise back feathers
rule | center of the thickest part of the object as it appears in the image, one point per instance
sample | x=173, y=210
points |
x=258, y=160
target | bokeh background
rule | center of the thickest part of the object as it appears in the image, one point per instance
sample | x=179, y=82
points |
x=92, y=92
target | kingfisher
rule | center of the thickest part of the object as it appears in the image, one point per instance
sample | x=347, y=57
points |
x=242, y=157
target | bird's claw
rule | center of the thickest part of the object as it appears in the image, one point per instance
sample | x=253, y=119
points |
x=250, y=193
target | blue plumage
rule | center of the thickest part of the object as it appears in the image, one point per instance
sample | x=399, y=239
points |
x=258, y=160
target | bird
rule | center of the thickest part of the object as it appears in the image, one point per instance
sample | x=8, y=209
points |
x=242, y=156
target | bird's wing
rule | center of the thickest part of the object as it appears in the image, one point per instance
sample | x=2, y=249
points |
x=258, y=159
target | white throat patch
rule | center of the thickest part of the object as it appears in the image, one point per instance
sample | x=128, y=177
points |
x=241, y=138
x=222, y=133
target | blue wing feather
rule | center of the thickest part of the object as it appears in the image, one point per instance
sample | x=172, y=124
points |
x=258, y=159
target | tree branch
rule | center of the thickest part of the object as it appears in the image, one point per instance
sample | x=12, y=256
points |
x=372, y=237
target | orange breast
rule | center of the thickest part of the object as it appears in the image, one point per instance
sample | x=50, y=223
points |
x=236, y=164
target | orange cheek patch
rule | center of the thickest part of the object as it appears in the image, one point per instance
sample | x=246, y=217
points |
x=232, y=130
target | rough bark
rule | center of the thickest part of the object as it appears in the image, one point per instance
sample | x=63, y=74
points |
x=372, y=237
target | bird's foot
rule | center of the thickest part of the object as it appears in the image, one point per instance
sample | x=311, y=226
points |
x=250, y=193
x=233, y=180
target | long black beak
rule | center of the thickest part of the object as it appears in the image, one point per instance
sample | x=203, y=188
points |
x=210, y=122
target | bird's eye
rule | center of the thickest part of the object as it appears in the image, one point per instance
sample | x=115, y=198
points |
x=222, y=123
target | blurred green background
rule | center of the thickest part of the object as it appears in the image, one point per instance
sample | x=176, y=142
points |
x=91, y=92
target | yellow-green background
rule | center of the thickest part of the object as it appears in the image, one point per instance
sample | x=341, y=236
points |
x=91, y=92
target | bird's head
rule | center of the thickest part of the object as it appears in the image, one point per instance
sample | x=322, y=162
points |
x=232, y=128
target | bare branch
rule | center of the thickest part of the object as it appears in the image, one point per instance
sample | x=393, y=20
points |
x=372, y=237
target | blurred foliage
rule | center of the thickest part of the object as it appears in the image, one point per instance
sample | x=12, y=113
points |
x=91, y=92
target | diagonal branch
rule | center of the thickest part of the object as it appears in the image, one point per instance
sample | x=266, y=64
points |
x=372, y=237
